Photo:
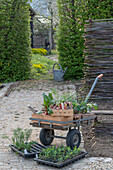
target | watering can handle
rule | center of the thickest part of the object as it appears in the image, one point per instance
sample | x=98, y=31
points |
x=58, y=64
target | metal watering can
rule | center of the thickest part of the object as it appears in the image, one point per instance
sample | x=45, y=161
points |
x=58, y=74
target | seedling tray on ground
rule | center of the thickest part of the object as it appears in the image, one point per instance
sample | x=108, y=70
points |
x=35, y=149
x=60, y=165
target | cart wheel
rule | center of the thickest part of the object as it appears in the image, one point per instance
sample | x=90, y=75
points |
x=45, y=138
x=73, y=138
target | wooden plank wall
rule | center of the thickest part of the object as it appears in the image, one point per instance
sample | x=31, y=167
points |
x=99, y=58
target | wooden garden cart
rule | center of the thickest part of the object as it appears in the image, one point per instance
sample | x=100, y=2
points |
x=62, y=120
x=65, y=122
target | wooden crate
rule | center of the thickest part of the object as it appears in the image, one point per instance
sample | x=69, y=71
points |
x=56, y=116
x=66, y=112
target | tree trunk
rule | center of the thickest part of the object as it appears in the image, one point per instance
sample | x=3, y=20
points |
x=52, y=31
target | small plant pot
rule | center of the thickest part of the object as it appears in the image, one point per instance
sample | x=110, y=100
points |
x=62, y=164
x=35, y=149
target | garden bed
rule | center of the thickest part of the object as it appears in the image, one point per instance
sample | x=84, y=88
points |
x=60, y=165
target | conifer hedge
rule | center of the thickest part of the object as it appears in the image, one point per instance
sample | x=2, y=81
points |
x=70, y=41
x=15, y=51
x=99, y=9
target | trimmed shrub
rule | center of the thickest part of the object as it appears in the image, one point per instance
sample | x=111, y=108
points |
x=70, y=41
x=15, y=41
x=72, y=15
x=99, y=9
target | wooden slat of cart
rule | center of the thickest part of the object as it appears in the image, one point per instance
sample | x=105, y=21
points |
x=58, y=115
x=52, y=118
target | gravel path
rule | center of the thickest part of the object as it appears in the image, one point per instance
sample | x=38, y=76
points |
x=14, y=113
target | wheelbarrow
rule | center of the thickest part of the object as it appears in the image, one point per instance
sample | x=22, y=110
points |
x=73, y=137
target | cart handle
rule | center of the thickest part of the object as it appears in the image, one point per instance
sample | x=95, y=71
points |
x=89, y=94
x=101, y=75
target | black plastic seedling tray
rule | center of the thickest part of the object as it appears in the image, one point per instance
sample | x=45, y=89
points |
x=60, y=165
x=35, y=149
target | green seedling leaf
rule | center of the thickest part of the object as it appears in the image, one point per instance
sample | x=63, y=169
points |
x=50, y=96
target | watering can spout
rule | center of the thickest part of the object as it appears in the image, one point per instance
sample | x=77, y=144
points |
x=65, y=70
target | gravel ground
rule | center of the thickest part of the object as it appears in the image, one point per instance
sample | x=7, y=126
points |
x=14, y=113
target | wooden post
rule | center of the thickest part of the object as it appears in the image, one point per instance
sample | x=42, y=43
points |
x=31, y=24
x=50, y=39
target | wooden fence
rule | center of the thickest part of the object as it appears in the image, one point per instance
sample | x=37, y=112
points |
x=99, y=58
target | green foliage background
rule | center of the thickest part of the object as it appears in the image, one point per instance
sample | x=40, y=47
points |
x=99, y=9
x=70, y=41
x=72, y=15
x=15, y=52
